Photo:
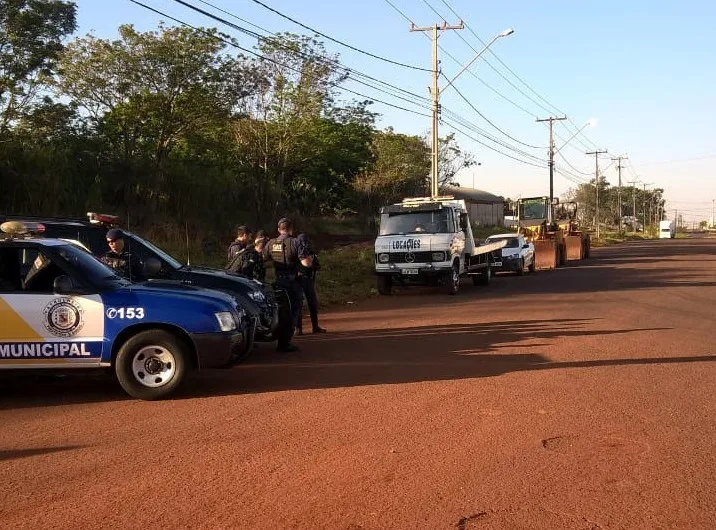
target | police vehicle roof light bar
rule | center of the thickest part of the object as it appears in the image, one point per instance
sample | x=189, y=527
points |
x=19, y=228
x=102, y=218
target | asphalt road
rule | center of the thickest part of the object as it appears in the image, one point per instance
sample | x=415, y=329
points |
x=583, y=398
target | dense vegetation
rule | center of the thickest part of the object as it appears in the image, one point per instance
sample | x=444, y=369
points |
x=173, y=127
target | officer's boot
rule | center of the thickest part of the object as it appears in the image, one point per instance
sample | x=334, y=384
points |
x=314, y=323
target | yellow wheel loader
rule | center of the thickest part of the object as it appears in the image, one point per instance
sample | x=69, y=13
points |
x=578, y=242
x=533, y=221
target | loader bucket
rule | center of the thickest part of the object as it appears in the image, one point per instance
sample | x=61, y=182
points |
x=575, y=247
x=545, y=254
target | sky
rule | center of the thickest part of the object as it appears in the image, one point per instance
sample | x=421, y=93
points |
x=643, y=70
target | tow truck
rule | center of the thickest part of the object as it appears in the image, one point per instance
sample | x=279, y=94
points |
x=63, y=309
x=426, y=240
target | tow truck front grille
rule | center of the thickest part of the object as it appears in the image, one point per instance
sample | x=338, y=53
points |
x=410, y=257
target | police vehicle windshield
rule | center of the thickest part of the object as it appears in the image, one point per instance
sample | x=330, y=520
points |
x=512, y=242
x=437, y=222
x=90, y=268
x=173, y=263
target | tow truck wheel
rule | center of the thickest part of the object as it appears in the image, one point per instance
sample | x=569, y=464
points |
x=453, y=280
x=385, y=285
x=151, y=364
x=484, y=278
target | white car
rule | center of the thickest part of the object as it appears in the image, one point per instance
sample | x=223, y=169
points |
x=517, y=254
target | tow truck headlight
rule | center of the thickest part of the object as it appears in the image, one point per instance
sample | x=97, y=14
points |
x=226, y=321
x=438, y=256
x=383, y=258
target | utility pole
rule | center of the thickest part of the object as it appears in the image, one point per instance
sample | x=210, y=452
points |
x=713, y=220
x=596, y=182
x=644, y=209
x=551, y=120
x=435, y=93
x=619, y=190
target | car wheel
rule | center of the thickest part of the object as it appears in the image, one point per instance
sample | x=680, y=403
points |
x=532, y=266
x=453, y=280
x=521, y=270
x=151, y=364
x=484, y=278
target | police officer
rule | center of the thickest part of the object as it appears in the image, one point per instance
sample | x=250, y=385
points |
x=120, y=259
x=307, y=279
x=243, y=258
x=288, y=254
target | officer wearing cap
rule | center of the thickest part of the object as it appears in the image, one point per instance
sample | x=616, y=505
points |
x=243, y=258
x=120, y=259
x=288, y=254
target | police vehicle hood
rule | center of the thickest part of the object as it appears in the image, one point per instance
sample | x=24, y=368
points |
x=418, y=242
x=174, y=290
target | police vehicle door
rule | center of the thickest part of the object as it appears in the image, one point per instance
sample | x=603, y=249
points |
x=39, y=328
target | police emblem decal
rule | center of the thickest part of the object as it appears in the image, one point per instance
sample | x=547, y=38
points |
x=63, y=317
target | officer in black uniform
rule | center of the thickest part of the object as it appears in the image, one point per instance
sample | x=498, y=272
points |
x=243, y=258
x=121, y=260
x=287, y=254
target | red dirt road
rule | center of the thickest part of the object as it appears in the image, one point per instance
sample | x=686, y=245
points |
x=583, y=398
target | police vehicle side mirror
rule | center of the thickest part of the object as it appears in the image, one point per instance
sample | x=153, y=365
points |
x=64, y=285
x=152, y=267
x=526, y=245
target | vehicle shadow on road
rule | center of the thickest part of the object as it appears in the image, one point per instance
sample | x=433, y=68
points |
x=14, y=454
x=411, y=355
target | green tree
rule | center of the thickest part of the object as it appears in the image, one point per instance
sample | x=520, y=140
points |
x=146, y=91
x=31, y=33
x=399, y=167
x=451, y=159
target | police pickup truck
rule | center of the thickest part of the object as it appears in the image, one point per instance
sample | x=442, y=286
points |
x=61, y=308
x=429, y=240
x=270, y=307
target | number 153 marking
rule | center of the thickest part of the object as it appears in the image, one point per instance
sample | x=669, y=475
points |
x=129, y=313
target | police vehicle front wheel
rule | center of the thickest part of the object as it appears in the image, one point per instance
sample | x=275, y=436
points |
x=151, y=364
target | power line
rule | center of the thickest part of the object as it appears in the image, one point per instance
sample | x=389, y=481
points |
x=452, y=126
x=277, y=41
x=364, y=52
x=493, y=125
x=494, y=54
x=457, y=61
x=230, y=43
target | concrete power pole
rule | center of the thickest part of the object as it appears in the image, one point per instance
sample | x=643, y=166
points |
x=551, y=120
x=619, y=190
x=435, y=93
x=596, y=183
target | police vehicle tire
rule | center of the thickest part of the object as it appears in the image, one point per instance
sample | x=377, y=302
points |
x=453, y=280
x=521, y=270
x=385, y=285
x=153, y=350
x=532, y=266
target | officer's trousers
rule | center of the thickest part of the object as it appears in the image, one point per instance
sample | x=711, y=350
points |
x=295, y=295
x=308, y=285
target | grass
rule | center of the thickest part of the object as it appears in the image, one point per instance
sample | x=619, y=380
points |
x=613, y=238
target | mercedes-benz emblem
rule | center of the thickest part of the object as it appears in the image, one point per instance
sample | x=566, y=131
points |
x=409, y=257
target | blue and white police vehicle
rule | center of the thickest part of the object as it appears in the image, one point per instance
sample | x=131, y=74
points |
x=62, y=308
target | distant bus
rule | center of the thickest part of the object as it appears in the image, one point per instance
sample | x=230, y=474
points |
x=667, y=229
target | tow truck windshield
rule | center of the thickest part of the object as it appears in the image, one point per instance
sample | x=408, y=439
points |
x=437, y=222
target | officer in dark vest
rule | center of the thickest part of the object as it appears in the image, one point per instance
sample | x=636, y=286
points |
x=120, y=259
x=243, y=258
x=288, y=254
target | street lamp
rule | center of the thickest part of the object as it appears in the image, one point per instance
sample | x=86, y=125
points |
x=505, y=33
x=590, y=123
